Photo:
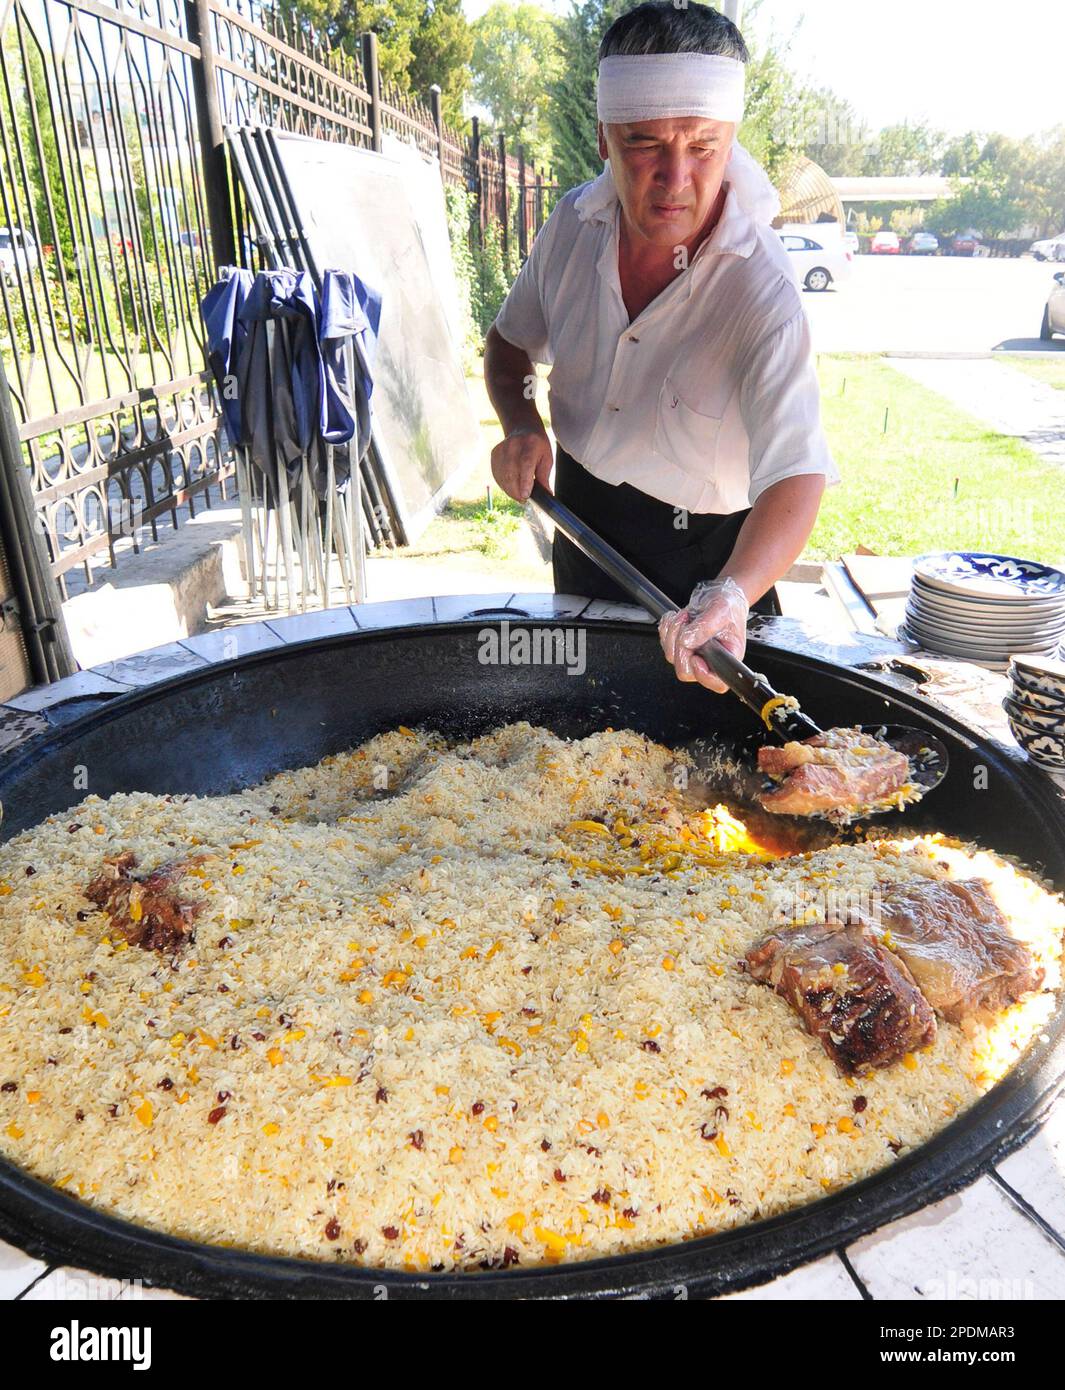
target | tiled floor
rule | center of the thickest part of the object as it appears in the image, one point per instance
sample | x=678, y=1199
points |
x=1001, y=1238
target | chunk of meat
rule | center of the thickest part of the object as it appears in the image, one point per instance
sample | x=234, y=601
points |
x=957, y=946
x=841, y=772
x=849, y=990
x=146, y=909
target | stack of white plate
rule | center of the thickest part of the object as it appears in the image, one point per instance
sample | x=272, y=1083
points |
x=983, y=608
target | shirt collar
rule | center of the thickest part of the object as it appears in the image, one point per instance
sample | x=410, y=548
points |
x=734, y=235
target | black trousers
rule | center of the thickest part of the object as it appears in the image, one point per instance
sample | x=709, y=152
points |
x=644, y=530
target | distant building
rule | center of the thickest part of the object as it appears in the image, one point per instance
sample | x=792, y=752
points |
x=878, y=198
x=905, y=191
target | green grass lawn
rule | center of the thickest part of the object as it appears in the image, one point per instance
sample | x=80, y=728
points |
x=102, y=374
x=937, y=479
x=1050, y=369
x=472, y=533
x=469, y=522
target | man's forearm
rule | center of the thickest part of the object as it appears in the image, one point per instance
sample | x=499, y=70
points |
x=773, y=535
x=508, y=371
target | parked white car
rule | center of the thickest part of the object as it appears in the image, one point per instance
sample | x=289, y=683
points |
x=1053, y=249
x=18, y=253
x=1054, y=313
x=818, y=254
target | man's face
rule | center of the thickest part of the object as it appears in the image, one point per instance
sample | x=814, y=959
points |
x=668, y=172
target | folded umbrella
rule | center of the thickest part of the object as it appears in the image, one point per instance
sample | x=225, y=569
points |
x=226, y=333
x=347, y=339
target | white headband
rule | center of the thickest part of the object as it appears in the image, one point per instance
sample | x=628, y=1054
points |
x=651, y=86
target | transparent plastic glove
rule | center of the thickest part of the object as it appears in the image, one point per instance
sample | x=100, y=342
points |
x=718, y=609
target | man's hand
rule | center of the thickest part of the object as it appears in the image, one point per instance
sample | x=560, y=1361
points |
x=523, y=457
x=717, y=610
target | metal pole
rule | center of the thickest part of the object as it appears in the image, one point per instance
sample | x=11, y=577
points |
x=356, y=535
x=438, y=121
x=212, y=135
x=475, y=159
x=503, y=179
x=372, y=73
x=40, y=612
x=523, y=231
x=731, y=9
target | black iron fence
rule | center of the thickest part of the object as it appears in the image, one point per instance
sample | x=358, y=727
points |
x=102, y=209
x=116, y=205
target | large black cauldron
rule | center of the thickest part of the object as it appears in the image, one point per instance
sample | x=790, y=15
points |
x=233, y=724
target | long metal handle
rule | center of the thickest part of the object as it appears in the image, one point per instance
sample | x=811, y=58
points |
x=753, y=689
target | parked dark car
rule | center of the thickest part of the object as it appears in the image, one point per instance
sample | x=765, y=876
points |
x=964, y=244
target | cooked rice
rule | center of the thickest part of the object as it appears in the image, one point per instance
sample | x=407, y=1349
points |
x=456, y=1029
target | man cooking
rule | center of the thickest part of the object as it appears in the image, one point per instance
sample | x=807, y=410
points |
x=683, y=396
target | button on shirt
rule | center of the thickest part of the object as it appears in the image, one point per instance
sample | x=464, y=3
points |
x=708, y=396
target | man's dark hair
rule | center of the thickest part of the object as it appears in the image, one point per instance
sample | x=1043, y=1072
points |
x=659, y=26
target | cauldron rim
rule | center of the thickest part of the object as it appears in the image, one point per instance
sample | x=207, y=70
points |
x=53, y=1225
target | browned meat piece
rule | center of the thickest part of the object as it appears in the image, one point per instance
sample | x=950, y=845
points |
x=842, y=772
x=146, y=909
x=957, y=946
x=849, y=991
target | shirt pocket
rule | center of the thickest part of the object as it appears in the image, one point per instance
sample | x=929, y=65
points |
x=684, y=435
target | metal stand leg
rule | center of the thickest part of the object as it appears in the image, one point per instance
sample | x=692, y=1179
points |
x=284, y=526
x=246, y=521
x=355, y=532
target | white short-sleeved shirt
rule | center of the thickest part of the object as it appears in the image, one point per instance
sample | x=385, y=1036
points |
x=708, y=396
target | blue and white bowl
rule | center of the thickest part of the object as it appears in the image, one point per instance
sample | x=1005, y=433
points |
x=1037, y=699
x=1046, y=721
x=1042, y=674
x=1043, y=748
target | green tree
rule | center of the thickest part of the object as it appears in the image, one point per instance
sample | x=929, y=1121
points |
x=961, y=154
x=904, y=149
x=834, y=137
x=441, y=48
x=982, y=201
x=784, y=117
x=571, y=109
x=419, y=41
x=42, y=157
x=776, y=112
x=1014, y=184
x=1045, y=182
x=514, y=58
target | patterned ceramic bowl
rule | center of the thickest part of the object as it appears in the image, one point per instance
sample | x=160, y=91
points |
x=1030, y=695
x=1043, y=721
x=1043, y=748
x=1043, y=674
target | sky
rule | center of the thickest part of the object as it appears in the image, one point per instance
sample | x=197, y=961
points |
x=960, y=64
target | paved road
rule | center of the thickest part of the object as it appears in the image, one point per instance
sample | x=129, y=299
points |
x=935, y=304
x=991, y=389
